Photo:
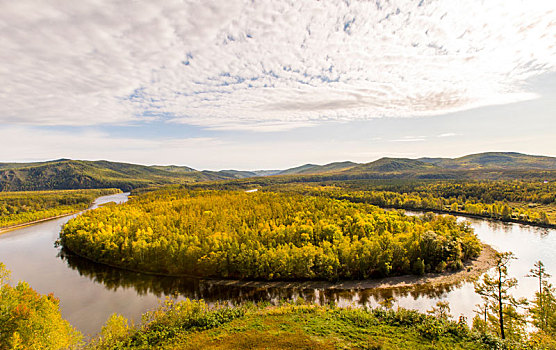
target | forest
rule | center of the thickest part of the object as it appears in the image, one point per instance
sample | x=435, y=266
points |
x=22, y=207
x=530, y=202
x=265, y=235
x=443, y=199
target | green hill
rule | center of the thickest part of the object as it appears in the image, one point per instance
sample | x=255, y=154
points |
x=385, y=165
x=489, y=161
x=309, y=169
x=174, y=168
x=298, y=169
x=494, y=160
x=481, y=166
x=80, y=174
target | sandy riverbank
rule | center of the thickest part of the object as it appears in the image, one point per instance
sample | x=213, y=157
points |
x=472, y=270
x=14, y=227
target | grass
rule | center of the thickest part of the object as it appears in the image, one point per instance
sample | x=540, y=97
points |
x=194, y=325
x=311, y=328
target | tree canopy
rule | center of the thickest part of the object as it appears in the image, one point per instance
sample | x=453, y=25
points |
x=266, y=236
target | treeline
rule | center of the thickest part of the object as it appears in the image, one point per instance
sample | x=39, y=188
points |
x=22, y=207
x=479, y=191
x=428, y=197
x=266, y=236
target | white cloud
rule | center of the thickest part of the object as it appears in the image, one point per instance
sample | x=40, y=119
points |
x=410, y=139
x=448, y=134
x=267, y=65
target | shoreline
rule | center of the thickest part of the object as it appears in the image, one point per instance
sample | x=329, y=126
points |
x=481, y=217
x=5, y=229
x=469, y=215
x=472, y=270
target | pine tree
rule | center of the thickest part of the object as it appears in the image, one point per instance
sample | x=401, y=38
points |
x=494, y=289
x=543, y=309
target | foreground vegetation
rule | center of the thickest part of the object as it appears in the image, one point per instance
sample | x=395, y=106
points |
x=29, y=320
x=266, y=236
x=22, y=207
x=194, y=325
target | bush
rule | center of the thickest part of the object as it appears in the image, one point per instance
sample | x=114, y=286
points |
x=29, y=320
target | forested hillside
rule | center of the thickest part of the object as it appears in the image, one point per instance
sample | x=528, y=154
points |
x=505, y=160
x=489, y=165
x=79, y=174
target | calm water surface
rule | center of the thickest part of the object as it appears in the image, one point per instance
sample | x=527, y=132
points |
x=89, y=293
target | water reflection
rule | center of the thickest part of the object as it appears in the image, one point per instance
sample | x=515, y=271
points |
x=222, y=290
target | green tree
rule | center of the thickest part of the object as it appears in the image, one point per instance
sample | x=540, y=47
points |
x=494, y=288
x=543, y=306
x=441, y=310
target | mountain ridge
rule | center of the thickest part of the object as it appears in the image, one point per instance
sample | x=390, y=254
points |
x=81, y=174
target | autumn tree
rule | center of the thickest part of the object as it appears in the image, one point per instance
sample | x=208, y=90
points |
x=29, y=320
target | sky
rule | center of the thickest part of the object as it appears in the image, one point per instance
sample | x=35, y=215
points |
x=271, y=84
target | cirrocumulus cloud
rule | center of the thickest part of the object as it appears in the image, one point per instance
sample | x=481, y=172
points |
x=266, y=65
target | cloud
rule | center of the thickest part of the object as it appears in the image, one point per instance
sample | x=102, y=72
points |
x=266, y=65
x=410, y=139
x=448, y=134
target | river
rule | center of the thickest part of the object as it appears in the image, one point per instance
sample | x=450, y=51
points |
x=89, y=293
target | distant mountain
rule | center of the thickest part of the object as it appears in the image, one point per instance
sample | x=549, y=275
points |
x=429, y=167
x=265, y=172
x=72, y=174
x=230, y=174
x=386, y=165
x=309, y=169
x=298, y=169
x=174, y=168
x=494, y=160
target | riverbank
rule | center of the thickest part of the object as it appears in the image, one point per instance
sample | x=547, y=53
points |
x=6, y=229
x=472, y=216
x=477, y=216
x=471, y=271
x=33, y=207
